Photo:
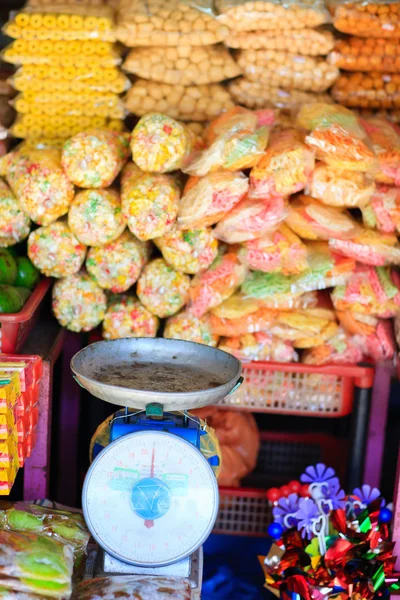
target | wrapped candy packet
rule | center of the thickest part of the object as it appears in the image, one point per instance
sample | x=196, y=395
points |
x=93, y=159
x=55, y=250
x=386, y=144
x=340, y=188
x=370, y=247
x=15, y=225
x=383, y=211
x=188, y=251
x=185, y=326
x=281, y=251
x=340, y=349
x=311, y=220
x=285, y=167
x=127, y=317
x=207, y=199
x=117, y=265
x=150, y=202
x=133, y=587
x=161, y=289
x=210, y=288
x=260, y=347
x=38, y=181
x=260, y=319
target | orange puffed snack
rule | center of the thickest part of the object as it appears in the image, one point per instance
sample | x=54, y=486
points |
x=368, y=90
x=366, y=54
x=260, y=320
x=380, y=19
x=386, y=144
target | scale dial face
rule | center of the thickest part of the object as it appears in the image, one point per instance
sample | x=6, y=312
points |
x=150, y=499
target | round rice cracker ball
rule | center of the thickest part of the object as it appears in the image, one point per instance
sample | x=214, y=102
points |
x=15, y=225
x=161, y=289
x=127, y=317
x=55, y=251
x=79, y=304
x=188, y=251
x=185, y=326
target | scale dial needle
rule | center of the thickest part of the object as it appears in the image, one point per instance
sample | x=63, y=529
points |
x=148, y=522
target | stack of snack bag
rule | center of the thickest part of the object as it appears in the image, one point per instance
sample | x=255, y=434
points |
x=68, y=78
x=367, y=55
x=178, y=59
x=281, y=50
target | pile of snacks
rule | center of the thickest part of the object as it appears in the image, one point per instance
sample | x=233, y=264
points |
x=68, y=77
x=368, y=56
x=280, y=51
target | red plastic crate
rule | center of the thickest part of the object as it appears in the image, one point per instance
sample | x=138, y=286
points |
x=15, y=328
x=297, y=389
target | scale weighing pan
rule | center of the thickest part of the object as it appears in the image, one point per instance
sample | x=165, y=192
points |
x=135, y=372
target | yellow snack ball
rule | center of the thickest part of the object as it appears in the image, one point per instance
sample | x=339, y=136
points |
x=188, y=251
x=127, y=317
x=161, y=289
x=15, y=225
x=185, y=326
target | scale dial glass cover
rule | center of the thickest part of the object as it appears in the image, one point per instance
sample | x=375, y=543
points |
x=150, y=499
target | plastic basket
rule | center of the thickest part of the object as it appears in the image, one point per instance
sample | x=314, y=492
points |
x=15, y=328
x=297, y=389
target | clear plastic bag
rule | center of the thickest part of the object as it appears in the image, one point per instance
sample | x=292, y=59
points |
x=126, y=317
x=15, y=225
x=341, y=349
x=259, y=347
x=161, y=289
x=379, y=19
x=266, y=15
x=260, y=319
x=182, y=65
x=366, y=54
x=69, y=104
x=177, y=23
x=307, y=42
x=285, y=168
x=340, y=188
x=374, y=335
x=370, y=248
x=305, y=328
x=385, y=140
x=185, y=326
x=40, y=128
x=311, y=220
x=133, y=587
x=368, y=90
x=63, y=54
x=383, y=211
x=188, y=251
x=289, y=71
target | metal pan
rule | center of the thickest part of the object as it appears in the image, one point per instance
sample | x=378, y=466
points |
x=134, y=372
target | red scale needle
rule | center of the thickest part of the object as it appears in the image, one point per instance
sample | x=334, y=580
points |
x=149, y=523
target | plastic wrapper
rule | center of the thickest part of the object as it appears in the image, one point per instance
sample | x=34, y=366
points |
x=188, y=251
x=238, y=306
x=69, y=104
x=374, y=336
x=40, y=128
x=254, y=94
x=307, y=42
x=251, y=219
x=366, y=54
x=340, y=188
x=160, y=144
x=62, y=23
x=311, y=220
x=96, y=218
x=239, y=440
x=94, y=158
x=35, y=564
x=15, y=225
x=185, y=326
x=285, y=168
x=179, y=23
x=306, y=328
x=259, y=320
x=183, y=65
x=368, y=90
x=267, y=15
x=383, y=211
x=238, y=120
x=64, y=54
x=127, y=317
x=161, y=289
x=259, y=346
x=55, y=251
x=290, y=71
x=212, y=287
x=321, y=115
x=117, y=265
x=386, y=144
x=133, y=587
x=370, y=291
x=341, y=349
x=149, y=202
x=207, y=199
x=281, y=251
x=378, y=19
x=370, y=247
x=79, y=304
x=186, y=103
x=39, y=183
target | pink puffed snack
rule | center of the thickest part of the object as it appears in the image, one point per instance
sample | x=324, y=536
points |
x=127, y=317
x=259, y=346
x=341, y=349
x=383, y=211
x=185, y=326
x=370, y=247
x=188, y=251
x=161, y=289
x=385, y=140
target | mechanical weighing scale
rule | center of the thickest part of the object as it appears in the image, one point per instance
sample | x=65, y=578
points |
x=150, y=497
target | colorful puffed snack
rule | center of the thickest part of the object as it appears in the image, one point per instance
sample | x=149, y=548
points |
x=261, y=319
x=375, y=336
x=185, y=326
x=335, y=187
x=311, y=220
x=55, y=250
x=127, y=317
x=386, y=144
x=259, y=346
x=370, y=247
x=161, y=289
x=15, y=225
x=383, y=211
x=340, y=349
x=306, y=328
x=188, y=251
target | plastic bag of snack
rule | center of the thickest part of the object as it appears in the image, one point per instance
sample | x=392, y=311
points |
x=207, y=199
x=55, y=250
x=186, y=103
x=251, y=219
x=281, y=251
x=391, y=115
x=383, y=211
x=386, y=144
x=239, y=307
x=379, y=19
x=39, y=183
x=133, y=587
x=340, y=188
x=374, y=335
x=149, y=202
x=368, y=90
x=259, y=346
x=210, y=288
x=290, y=71
x=370, y=290
x=307, y=42
x=161, y=289
x=96, y=217
x=117, y=265
x=185, y=326
x=65, y=105
x=267, y=15
x=306, y=328
x=285, y=167
x=239, y=440
x=370, y=247
x=322, y=115
x=93, y=159
x=259, y=320
x=127, y=317
x=79, y=304
x=366, y=54
x=340, y=349
x=311, y=220
x=188, y=251
x=15, y=225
